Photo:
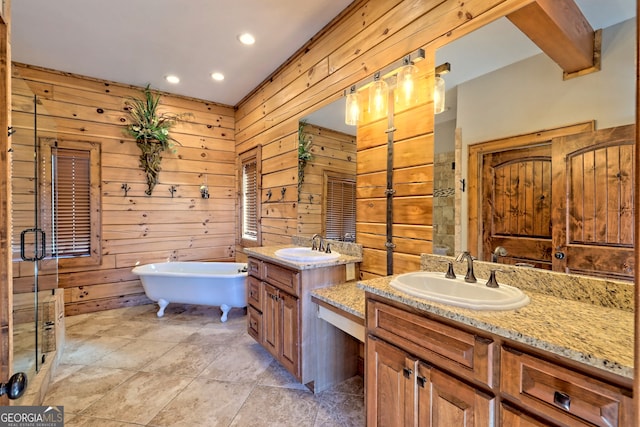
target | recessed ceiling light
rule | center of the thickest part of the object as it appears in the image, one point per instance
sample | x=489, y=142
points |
x=172, y=79
x=246, y=38
x=217, y=76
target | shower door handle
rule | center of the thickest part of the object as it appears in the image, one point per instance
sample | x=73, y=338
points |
x=37, y=255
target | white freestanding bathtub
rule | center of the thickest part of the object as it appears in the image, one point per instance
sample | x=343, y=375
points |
x=220, y=284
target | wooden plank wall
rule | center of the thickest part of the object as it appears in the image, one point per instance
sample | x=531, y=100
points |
x=136, y=228
x=6, y=285
x=332, y=152
x=366, y=37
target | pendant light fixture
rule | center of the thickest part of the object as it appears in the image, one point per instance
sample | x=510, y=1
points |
x=406, y=92
x=378, y=97
x=352, y=107
x=439, y=88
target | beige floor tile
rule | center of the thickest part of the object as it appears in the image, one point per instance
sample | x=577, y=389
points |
x=138, y=399
x=277, y=376
x=272, y=406
x=340, y=410
x=85, y=386
x=170, y=332
x=204, y=403
x=239, y=363
x=90, y=350
x=142, y=374
x=84, y=421
x=136, y=354
x=187, y=360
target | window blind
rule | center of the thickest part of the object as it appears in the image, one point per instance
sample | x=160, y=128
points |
x=250, y=200
x=72, y=202
x=340, y=216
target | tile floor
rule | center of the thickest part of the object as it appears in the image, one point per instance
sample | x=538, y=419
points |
x=127, y=367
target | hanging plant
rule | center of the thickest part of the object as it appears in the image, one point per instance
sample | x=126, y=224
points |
x=305, y=141
x=151, y=132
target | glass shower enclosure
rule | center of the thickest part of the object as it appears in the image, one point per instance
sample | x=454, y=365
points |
x=35, y=268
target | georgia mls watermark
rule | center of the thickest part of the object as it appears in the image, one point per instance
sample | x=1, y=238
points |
x=31, y=416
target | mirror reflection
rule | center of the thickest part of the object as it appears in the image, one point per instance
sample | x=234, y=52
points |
x=507, y=109
x=327, y=193
x=505, y=92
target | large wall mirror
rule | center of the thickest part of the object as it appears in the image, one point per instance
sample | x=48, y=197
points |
x=502, y=87
x=507, y=107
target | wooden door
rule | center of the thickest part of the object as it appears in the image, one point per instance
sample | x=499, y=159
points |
x=516, y=206
x=390, y=385
x=290, y=353
x=593, y=181
x=271, y=320
x=456, y=404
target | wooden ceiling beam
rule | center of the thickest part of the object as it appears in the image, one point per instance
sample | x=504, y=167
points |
x=559, y=28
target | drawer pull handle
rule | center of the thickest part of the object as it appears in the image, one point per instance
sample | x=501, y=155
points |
x=407, y=372
x=563, y=400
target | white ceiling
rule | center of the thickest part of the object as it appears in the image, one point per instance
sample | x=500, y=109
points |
x=140, y=41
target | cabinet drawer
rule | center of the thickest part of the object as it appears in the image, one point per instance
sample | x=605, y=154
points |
x=253, y=293
x=562, y=394
x=461, y=352
x=254, y=268
x=285, y=279
x=254, y=323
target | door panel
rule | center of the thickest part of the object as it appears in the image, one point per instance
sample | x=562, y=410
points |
x=593, y=197
x=517, y=205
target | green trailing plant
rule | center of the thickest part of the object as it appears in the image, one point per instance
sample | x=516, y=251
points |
x=305, y=141
x=150, y=128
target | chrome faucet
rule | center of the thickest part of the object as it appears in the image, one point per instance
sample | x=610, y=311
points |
x=469, y=277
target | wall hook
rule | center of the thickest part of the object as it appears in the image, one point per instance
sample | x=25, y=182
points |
x=172, y=190
x=282, y=193
x=204, y=191
x=126, y=188
x=269, y=194
x=10, y=131
x=462, y=185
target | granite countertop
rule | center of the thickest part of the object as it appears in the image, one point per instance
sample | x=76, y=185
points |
x=597, y=336
x=267, y=253
x=344, y=296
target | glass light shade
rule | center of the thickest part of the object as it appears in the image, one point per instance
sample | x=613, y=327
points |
x=352, y=109
x=438, y=94
x=378, y=99
x=406, y=93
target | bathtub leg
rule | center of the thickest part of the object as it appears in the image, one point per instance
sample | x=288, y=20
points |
x=163, y=303
x=225, y=310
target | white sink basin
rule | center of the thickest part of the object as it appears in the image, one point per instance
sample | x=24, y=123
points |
x=305, y=255
x=477, y=296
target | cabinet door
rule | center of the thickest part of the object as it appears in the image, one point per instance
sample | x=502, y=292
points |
x=390, y=385
x=510, y=417
x=423, y=401
x=271, y=320
x=457, y=404
x=290, y=354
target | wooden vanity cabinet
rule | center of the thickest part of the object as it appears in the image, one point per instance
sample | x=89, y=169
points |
x=427, y=372
x=282, y=318
x=548, y=390
x=409, y=381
